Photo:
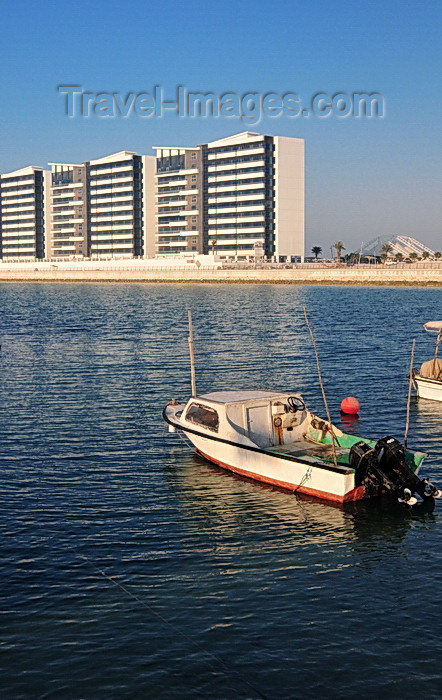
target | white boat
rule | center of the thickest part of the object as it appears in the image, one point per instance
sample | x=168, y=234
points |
x=271, y=437
x=428, y=380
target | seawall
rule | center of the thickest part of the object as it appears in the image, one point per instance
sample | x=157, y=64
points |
x=140, y=271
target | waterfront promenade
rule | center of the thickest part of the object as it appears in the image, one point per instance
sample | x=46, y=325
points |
x=415, y=274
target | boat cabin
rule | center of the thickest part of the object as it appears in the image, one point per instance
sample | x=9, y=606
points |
x=263, y=417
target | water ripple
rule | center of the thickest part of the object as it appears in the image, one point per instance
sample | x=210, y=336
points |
x=132, y=568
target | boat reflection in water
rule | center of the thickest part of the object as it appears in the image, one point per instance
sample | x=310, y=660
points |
x=228, y=508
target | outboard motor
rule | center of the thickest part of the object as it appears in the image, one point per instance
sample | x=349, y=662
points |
x=364, y=461
x=384, y=468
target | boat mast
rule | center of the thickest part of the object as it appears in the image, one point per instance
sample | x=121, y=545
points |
x=410, y=383
x=192, y=356
x=332, y=432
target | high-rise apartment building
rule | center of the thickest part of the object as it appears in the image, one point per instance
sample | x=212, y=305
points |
x=238, y=196
x=22, y=214
x=241, y=197
x=67, y=229
x=121, y=206
x=178, y=192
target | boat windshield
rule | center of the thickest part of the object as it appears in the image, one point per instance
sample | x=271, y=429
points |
x=203, y=415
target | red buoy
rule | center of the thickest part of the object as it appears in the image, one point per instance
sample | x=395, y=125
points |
x=350, y=405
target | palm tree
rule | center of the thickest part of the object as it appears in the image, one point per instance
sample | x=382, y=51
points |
x=437, y=255
x=425, y=255
x=386, y=251
x=413, y=256
x=316, y=250
x=399, y=257
x=213, y=244
x=339, y=247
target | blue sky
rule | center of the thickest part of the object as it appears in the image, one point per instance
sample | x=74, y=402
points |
x=364, y=177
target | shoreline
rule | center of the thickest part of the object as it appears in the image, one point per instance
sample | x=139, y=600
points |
x=294, y=283
x=421, y=274
x=144, y=272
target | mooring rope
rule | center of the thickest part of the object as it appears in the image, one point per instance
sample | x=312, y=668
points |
x=178, y=631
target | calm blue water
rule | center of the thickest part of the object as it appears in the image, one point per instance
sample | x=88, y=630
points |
x=130, y=568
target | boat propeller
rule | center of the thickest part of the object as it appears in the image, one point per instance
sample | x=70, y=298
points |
x=407, y=498
x=430, y=491
x=425, y=489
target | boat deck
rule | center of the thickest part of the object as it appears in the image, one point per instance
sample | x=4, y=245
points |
x=313, y=452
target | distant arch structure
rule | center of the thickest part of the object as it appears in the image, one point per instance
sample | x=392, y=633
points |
x=399, y=244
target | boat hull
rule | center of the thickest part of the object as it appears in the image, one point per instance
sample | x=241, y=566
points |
x=428, y=388
x=285, y=472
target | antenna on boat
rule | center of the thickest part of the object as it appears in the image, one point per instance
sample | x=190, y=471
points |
x=410, y=383
x=192, y=356
x=333, y=436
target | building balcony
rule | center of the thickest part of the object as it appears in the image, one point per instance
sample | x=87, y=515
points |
x=59, y=250
x=27, y=224
x=121, y=245
x=173, y=183
x=126, y=200
x=214, y=232
x=259, y=163
x=95, y=171
x=173, y=203
x=111, y=188
x=175, y=211
x=179, y=171
x=65, y=230
x=15, y=212
x=102, y=229
x=214, y=190
x=191, y=191
x=171, y=224
x=112, y=208
x=21, y=184
x=68, y=213
x=17, y=248
x=235, y=153
x=237, y=178
x=113, y=182
x=238, y=210
x=236, y=218
x=236, y=198
x=26, y=214
x=30, y=201
x=114, y=216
